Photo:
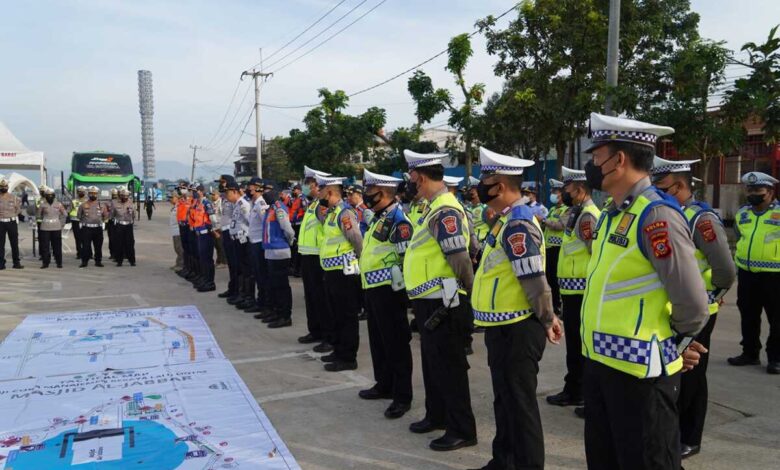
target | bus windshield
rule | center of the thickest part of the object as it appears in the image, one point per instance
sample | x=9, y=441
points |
x=100, y=164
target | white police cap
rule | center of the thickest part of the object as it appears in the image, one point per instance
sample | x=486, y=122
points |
x=555, y=184
x=568, y=175
x=417, y=160
x=497, y=164
x=607, y=129
x=452, y=181
x=330, y=180
x=756, y=178
x=662, y=166
x=312, y=173
x=375, y=179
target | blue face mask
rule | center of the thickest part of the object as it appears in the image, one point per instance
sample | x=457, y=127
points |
x=306, y=190
x=554, y=198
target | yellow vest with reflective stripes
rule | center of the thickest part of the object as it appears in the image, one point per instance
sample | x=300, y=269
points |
x=758, y=247
x=498, y=297
x=424, y=264
x=310, y=234
x=416, y=210
x=704, y=266
x=574, y=258
x=481, y=228
x=335, y=250
x=625, y=316
x=378, y=257
x=74, y=209
x=554, y=237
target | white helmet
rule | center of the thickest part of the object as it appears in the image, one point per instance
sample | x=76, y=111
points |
x=93, y=189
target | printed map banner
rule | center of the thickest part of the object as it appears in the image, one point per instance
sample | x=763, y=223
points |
x=51, y=344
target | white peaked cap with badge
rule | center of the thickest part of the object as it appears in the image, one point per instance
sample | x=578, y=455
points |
x=416, y=160
x=312, y=173
x=608, y=129
x=662, y=166
x=497, y=164
x=452, y=181
x=330, y=180
x=555, y=184
x=756, y=178
x=568, y=175
x=375, y=179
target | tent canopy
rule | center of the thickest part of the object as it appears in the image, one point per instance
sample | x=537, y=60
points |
x=14, y=154
x=17, y=181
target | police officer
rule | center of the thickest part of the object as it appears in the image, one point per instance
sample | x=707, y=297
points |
x=111, y=225
x=538, y=209
x=576, y=248
x=340, y=250
x=758, y=259
x=381, y=275
x=481, y=214
x=203, y=218
x=355, y=200
x=239, y=232
x=554, y=225
x=278, y=235
x=259, y=303
x=92, y=214
x=53, y=216
x=227, y=241
x=123, y=216
x=718, y=272
x=298, y=206
x=642, y=263
x=512, y=300
x=75, y=228
x=10, y=207
x=309, y=241
x=438, y=275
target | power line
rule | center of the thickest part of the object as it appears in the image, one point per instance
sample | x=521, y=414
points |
x=227, y=111
x=229, y=153
x=302, y=32
x=317, y=35
x=225, y=134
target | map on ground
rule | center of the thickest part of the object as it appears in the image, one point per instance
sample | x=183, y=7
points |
x=188, y=416
x=60, y=343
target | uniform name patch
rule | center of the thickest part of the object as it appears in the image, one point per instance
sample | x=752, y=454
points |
x=517, y=242
x=656, y=226
x=660, y=243
x=618, y=240
x=707, y=231
x=450, y=224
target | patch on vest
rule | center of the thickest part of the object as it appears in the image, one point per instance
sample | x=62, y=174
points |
x=625, y=224
x=517, y=242
x=707, y=231
x=450, y=224
x=586, y=229
x=346, y=222
x=660, y=243
x=618, y=240
x=404, y=232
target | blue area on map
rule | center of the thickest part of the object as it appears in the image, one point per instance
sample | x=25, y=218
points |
x=91, y=332
x=37, y=335
x=93, y=358
x=136, y=330
x=138, y=396
x=110, y=336
x=72, y=333
x=176, y=345
x=93, y=420
x=155, y=448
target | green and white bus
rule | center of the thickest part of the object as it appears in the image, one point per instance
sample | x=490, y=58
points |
x=106, y=170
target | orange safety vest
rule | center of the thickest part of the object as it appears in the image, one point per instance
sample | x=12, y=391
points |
x=181, y=210
x=198, y=217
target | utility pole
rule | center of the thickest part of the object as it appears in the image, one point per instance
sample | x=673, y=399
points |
x=195, y=149
x=613, y=53
x=258, y=138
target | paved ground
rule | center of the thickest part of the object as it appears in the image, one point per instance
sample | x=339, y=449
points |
x=318, y=413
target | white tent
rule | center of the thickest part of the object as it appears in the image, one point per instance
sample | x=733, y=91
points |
x=17, y=181
x=14, y=155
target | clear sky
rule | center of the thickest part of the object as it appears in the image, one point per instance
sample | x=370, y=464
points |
x=68, y=79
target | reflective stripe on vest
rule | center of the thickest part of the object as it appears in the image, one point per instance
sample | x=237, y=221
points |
x=574, y=257
x=758, y=247
x=555, y=237
x=625, y=311
x=424, y=264
x=335, y=250
x=310, y=234
x=378, y=257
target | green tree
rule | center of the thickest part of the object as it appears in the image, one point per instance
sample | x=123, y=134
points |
x=276, y=164
x=389, y=160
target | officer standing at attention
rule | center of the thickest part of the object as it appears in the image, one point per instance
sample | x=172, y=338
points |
x=239, y=232
x=644, y=302
x=758, y=259
x=554, y=225
x=10, y=207
x=81, y=198
x=259, y=303
x=203, y=219
x=227, y=241
x=123, y=215
x=278, y=235
x=355, y=200
x=381, y=274
x=718, y=272
x=512, y=300
x=297, y=210
x=182, y=216
x=576, y=248
x=340, y=250
x=92, y=214
x=481, y=214
x=438, y=275
x=309, y=241
x=53, y=216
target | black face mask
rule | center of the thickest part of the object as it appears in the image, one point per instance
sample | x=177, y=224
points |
x=49, y=199
x=268, y=198
x=411, y=190
x=755, y=199
x=3, y=190
x=593, y=173
x=324, y=202
x=93, y=198
x=372, y=200
x=482, y=192
x=567, y=199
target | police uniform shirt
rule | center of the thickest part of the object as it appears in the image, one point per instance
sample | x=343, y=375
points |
x=239, y=224
x=709, y=236
x=259, y=206
x=538, y=210
x=92, y=213
x=226, y=216
x=173, y=224
x=585, y=225
x=53, y=216
x=669, y=247
x=10, y=206
x=123, y=212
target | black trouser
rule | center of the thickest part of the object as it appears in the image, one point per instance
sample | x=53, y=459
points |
x=12, y=230
x=756, y=292
x=111, y=231
x=630, y=423
x=205, y=254
x=692, y=402
x=51, y=241
x=185, y=246
x=149, y=213
x=246, y=279
x=574, y=359
x=259, y=273
x=514, y=352
x=280, y=294
x=93, y=240
x=229, y=245
x=314, y=295
x=445, y=368
x=343, y=294
x=388, y=337
x=296, y=257
x=125, y=243
x=75, y=229
x=551, y=271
